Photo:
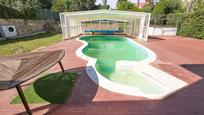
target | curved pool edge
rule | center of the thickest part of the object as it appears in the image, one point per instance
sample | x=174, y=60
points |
x=96, y=77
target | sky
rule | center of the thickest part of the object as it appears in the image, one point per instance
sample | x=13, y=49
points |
x=112, y=3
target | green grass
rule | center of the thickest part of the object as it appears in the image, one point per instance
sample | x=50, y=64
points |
x=28, y=43
x=52, y=88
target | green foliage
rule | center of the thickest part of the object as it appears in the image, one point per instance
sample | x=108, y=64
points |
x=7, y=12
x=81, y=5
x=147, y=8
x=104, y=2
x=175, y=19
x=103, y=7
x=198, y=5
x=66, y=5
x=45, y=4
x=23, y=9
x=192, y=25
x=167, y=6
x=127, y=5
x=152, y=2
x=121, y=1
x=28, y=9
x=29, y=13
x=59, y=6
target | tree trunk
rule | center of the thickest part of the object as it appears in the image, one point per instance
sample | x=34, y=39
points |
x=190, y=5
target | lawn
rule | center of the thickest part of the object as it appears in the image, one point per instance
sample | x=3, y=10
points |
x=29, y=43
x=52, y=88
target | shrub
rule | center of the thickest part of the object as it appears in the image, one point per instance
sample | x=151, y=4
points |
x=147, y=8
x=167, y=6
x=7, y=12
x=175, y=19
x=127, y=6
x=59, y=6
x=192, y=25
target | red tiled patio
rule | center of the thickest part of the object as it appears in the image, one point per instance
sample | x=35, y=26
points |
x=181, y=57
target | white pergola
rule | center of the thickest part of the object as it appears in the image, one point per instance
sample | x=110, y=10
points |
x=135, y=24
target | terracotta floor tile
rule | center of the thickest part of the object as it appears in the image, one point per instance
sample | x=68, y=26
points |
x=181, y=57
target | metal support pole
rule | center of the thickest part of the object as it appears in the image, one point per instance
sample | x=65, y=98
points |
x=20, y=92
x=61, y=66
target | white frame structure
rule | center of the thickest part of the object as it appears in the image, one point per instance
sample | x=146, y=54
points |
x=136, y=23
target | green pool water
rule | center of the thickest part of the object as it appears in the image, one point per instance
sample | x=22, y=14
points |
x=109, y=49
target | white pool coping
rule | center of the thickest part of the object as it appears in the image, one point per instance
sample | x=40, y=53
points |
x=168, y=83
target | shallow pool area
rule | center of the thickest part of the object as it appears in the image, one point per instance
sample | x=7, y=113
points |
x=121, y=65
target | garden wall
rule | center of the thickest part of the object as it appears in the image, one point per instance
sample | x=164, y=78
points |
x=162, y=31
x=26, y=27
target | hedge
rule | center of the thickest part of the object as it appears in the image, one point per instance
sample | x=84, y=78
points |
x=193, y=25
x=28, y=13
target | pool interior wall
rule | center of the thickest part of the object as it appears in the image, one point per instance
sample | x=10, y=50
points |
x=115, y=63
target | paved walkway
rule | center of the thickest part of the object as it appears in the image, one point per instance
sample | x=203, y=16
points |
x=183, y=58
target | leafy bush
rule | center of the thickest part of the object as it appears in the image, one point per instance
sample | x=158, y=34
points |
x=127, y=5
x=192, y=25
x=167, y=6
x=175, y=19
x=59, y=5
x=82, y=5
x=29, y=13
x=7, y=12
x=147, y=8
x=25, y=9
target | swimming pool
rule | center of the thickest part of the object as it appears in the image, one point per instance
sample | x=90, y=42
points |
x=121, y=65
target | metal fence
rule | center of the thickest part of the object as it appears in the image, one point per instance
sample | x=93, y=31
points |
x=170, y=20
x=44, y=14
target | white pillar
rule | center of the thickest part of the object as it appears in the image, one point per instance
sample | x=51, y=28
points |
x=147, y=26
x=67, y=27
x=62, y=21
x=141, y=28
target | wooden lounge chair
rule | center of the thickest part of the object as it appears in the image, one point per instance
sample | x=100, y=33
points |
x=18, y=69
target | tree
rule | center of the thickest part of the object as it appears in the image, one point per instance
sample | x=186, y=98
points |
x=192, y=24
x=138, y=3
x=167, y=6
x=81, y=5
x=147, y=8
x=103, y=5
x=189, y=5
x=151, y=2
x=90, y=5
x=59, y=6
x=121, y=1
x=105, y=2
x=45, y=4
x=21, y=8
x=74, y=6
x=126, y=5
x=198, y=5
x=67, y=5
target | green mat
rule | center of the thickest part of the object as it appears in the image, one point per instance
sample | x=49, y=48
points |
x=52, y=88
